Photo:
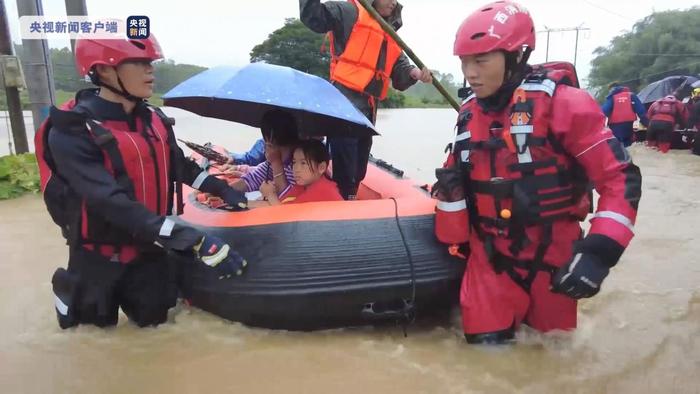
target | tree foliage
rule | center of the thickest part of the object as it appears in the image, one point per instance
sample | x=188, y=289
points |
x=294, y=45
x=19, y=174
x=662, y=44
x=169, y=74
x=65, y=75
x=394, y=99
x=66, y=79
x=428, y=95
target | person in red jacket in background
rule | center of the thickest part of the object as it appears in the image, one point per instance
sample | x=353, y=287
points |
x=664, y=115
x=527, y=147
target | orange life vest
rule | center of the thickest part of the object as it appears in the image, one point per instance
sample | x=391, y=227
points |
x=357, y=66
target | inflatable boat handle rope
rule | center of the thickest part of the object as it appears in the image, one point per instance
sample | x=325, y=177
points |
x=408, y=312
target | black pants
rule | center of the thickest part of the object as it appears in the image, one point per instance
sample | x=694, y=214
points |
x=695, y=147
x=350, y=157
x=624, y=132
x=660, y=131
x=93, y=288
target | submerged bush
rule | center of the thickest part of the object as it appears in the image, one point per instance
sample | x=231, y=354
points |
x=19, y=174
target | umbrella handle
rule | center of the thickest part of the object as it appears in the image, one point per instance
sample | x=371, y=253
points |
x=392, y=33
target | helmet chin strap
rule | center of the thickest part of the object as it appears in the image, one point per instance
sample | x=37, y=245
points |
x=515, y=70
x=123, y=92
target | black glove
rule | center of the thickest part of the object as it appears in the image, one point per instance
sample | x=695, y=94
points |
x=581, y=277
x=235, y=199
x=449, y=186
x=217, y=254
x=584, y=274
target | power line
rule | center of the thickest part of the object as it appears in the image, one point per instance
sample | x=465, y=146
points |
x=665, y=54
x=659, y=73
x=563, y=29
x=608, y=11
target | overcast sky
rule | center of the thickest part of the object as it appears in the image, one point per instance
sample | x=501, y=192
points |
x=214, y=32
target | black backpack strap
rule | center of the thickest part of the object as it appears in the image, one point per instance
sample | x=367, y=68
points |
x=168, y=121
x=106, y=141
x=174, y=152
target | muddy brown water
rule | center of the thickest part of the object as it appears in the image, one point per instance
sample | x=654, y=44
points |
x=639, y=335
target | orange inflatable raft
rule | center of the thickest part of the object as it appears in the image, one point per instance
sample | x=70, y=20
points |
x=330, y=264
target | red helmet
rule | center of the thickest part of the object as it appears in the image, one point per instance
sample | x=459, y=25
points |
x=502, y=25
x=111, y=52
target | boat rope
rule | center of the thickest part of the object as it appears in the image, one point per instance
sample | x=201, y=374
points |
x=408, y=312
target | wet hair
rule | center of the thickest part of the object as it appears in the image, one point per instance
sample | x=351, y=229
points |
x=516, y=69
x=315, y=152
x=280, y=128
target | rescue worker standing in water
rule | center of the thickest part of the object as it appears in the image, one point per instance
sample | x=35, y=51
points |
x=665, y=115
x=364, y=62
x=622, y=107
x=110, y=168
x=528, y=145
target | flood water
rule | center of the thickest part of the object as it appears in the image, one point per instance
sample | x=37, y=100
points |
x=641, y=334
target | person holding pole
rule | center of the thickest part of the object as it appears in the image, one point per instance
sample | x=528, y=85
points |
x=365, y=60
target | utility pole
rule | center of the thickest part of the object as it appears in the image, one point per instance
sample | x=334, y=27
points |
x=565, y=29
x=546, y=56
x=37, y=65
x=11, y=85
x=576, y=47
x=75, y=8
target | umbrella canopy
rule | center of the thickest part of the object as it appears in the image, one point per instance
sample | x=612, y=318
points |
x=660, y=89
x=245, y=94
x=696, y=84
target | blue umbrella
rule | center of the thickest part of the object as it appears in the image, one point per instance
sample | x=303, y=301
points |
x=245, y=94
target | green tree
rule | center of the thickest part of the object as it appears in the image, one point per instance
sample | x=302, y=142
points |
x=294, y=45
x=394, y=99
x=65, y=75
x=66, y=79
x=427, y=94
x=168, y=74
x=662, y=44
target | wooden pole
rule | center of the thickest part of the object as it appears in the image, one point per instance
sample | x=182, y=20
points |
x=14, y=106
x=392, y=33
x=37, y=67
